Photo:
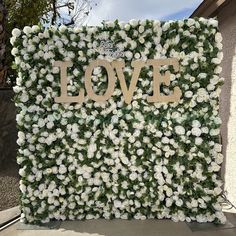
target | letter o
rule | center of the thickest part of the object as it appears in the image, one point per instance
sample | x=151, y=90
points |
x=111, y=80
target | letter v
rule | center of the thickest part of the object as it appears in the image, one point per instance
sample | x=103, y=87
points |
x=128, y=92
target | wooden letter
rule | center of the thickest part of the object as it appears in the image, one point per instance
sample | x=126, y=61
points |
x=64, y=98
x=128, y=92
x=111, y=80
x=165, y=79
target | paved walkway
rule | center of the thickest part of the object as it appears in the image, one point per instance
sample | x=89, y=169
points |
x=121, y=228
x=230, y=161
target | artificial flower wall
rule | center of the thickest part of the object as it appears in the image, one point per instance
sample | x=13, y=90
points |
x=111, y=159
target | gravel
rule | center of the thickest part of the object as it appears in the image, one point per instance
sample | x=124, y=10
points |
x=9, y=186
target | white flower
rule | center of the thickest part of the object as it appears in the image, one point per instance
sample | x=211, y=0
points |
x=133, y=22
x=24, y=97
x=12, y=40
x=129, y=55
x=220, y=55
x=14, y=51
x=16, y=32
x=190, y=22
x=133, y=176
x=196, y=123
x=196, y=131
x=217, y=191
x=91, y=149
x=41, y=123
x=35, y=28
x=179, y=202
x=124, y=160
x=131, y=139
x=140, y=152
x=205, y=130
x=214, y=167
x=22, y=186
x=127, y=27
x=62, y=28
x=31, y=48
x=188, y=94
x=166, y=26
x=218, y=37
x=62, y=169
x=50, y=125
x=22, y=172
x=49, y=77
x=141, y=29
x=30, y=178
x=217, y=147
x=27, y=30
x=110, y=24
x=169, y=202
x=216, y=61
x=221, y=217
x=17, y=60
x=180, y=130
x=165, y=140
x=137, y=55
x=39, y=98
x=214, y=132
x=117, y=204
x=169, y=192
x=21, y=138
x=198, y=141
x=141, y=40
x=213, y=22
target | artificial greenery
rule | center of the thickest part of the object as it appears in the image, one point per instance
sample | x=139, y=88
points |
x=113, y=160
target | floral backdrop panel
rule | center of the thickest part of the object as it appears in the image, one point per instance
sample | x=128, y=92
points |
x=137, y=137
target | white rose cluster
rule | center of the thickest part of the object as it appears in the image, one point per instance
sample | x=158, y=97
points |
x=113, y=160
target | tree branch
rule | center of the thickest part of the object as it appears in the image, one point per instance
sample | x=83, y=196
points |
x=54, y=12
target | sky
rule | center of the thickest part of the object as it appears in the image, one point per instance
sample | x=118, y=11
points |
x=125, y=10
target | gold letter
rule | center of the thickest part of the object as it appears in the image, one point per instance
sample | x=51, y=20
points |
x=165, y=79
x=111, y=80
x=119, y=65
x=64, y=98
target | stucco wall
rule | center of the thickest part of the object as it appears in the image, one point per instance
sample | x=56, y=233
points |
x=227, y=24
x=8, y=131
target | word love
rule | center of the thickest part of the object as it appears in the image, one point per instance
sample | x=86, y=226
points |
x=128, y=92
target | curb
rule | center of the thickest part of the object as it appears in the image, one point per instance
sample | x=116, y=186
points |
x=8, y=215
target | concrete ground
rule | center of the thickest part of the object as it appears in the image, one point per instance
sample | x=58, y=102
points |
x=122, y=228
x=9, y=214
